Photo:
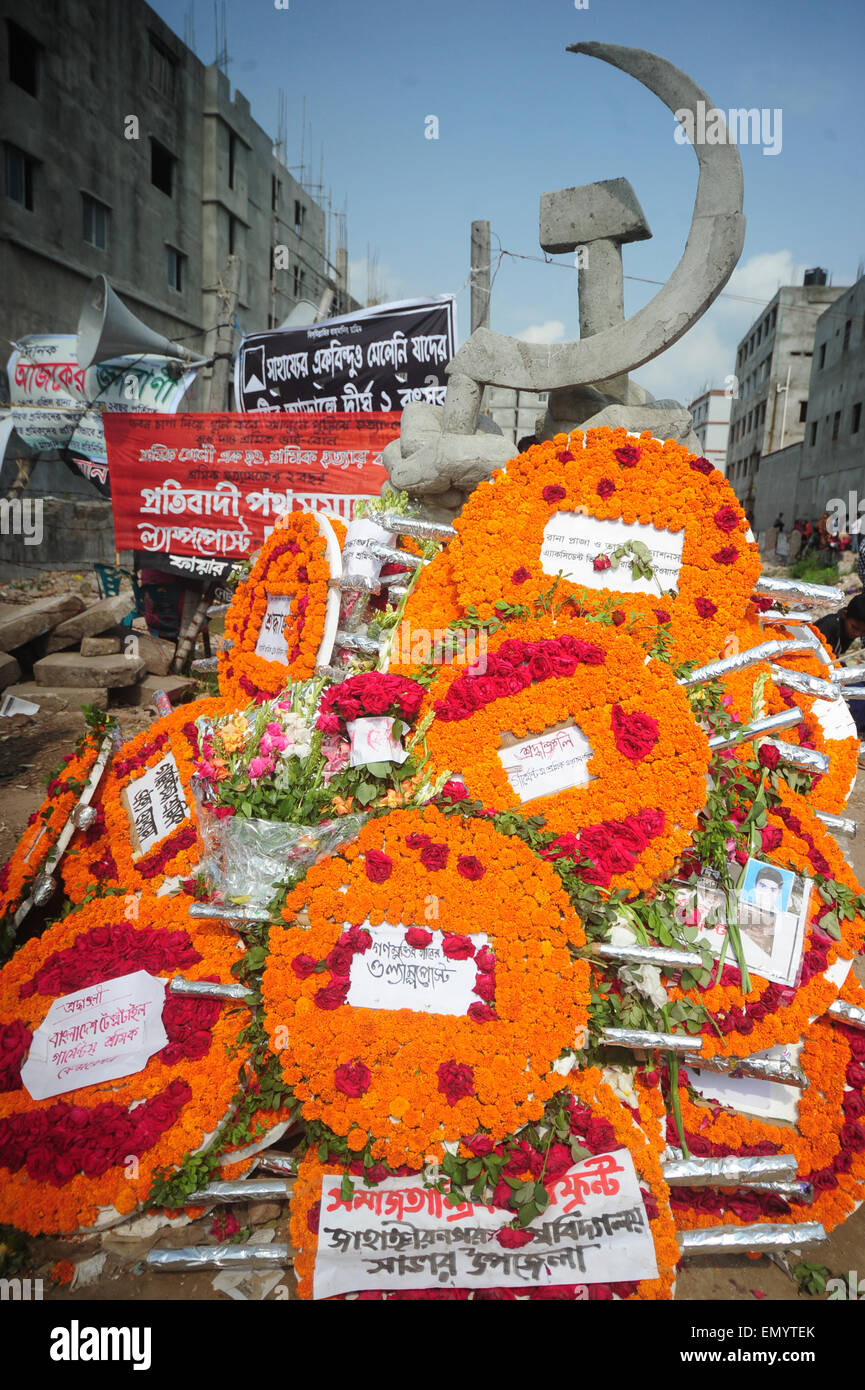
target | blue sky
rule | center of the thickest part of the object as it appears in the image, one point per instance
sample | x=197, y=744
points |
x=518, y=116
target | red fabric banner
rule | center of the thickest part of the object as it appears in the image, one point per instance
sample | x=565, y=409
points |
x=215, y=485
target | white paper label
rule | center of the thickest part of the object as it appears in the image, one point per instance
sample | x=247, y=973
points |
x=572, y=542
x=271, y=642
x=156, y=803
x=835, y=719
x=770, y=1099
x=394, y=975
x=97, y=1034
x=360, y=536
x=548, y=764
x=403, y=1235
x=372, y=741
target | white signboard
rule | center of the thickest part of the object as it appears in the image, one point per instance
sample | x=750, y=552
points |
x=99, y=1033
x=771, y=1100
x=271, y=642
x=155, y=804
x=372, y=741
x=835, y=719
x=403, y=1235
x=548, y=764
x=394, y=975
x=572, y=542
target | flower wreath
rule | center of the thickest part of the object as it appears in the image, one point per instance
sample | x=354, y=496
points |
x=45, y=825
x=649, y=757
x=404, y=1081
x=64, y=1158
x=828, y=1139
x=610, y=475
x=771, y=1013
x=102, y=854
x=598, y=1122
x=431, y=607
x=292, y=561
x=368, y=694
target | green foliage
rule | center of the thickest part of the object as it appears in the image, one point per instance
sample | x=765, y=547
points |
x=811, y=1278
x=812, y=572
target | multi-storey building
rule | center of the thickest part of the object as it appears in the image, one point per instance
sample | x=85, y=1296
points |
x=710, y=413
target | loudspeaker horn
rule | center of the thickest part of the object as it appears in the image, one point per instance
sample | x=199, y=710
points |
x=107, y=329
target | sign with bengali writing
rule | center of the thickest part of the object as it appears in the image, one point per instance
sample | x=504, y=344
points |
x=394, y=975
x=378, y=359
x=271, y=643
x=401, y=1234
x=372, y=740
x=572, y=542
x=57, y=405
x=213, y=486
x=96, y=1034
x=155, y=803
x=548, y=764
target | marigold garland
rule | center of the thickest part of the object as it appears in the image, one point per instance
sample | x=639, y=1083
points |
x=407, y=1081
x=188, y=1087
x=292, y=561
x=608, y=474
x=431, y=607
x=648, y=753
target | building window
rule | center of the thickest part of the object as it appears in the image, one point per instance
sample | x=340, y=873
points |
x=275, y=188
x=24, y=59
x=233, y=241
x=174, y=267
x=232, y=157
x=822, y=358
x=803, y=412
x=848, y=325
x=95, y=222
x=857, y=416
x=162, y=164
x=20, y=168
x=298, y=282
x=774, y=315
x=813, y=437
x=299, y=213
x=836, y=422
x=161, y=68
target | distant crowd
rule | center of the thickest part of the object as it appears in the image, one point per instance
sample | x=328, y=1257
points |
x=824, y=534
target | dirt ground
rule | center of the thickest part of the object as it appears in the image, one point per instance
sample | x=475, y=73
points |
x=30, y=750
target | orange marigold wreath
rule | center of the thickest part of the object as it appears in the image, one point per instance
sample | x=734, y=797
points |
x=431, y=606
x=57, y=1157
x=649, y=757
x=407, y=1080
x=611, y=475
x=291, y=562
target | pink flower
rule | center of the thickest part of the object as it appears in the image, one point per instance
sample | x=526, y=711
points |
x=223, y=812
x=601, y=562
x=260, y=767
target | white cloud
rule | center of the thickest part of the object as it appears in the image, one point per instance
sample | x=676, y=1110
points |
x=550, y=332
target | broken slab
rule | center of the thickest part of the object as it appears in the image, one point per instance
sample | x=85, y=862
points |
x=32, y=619
x=100, y=646
x=71, y=668
x=10, y=671
x=60, y=699
x=177, y=688
x=89, y=622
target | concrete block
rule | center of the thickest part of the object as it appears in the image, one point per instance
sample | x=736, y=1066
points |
x=71, y=668
x=32, y=619
x=10, y=671
x=59, y=699
x=177, y=688
x=572, y=217
x=89, y=622
x=100, y=646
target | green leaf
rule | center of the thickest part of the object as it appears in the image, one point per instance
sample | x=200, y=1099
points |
x=366, y=793
x=524, y=1193
x=378, y=769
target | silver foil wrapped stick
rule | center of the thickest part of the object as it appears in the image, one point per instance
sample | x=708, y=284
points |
x=417, y=527
x=798, y=1191
x=204, y=665
x=758, y=728
x=839, y=825
x=206, y=989
x=804, y=682
x=809, y=759
x=771, y=617
x=797, y=591
x=252, y=1190
x=848, y=675
x=761, y=1068
x=851, y=1014
x=637, y=1037
x=664, y=957
x=359, y=583
x=221, y=1257
x=226, y=912
x=285, y=1164
x=730, y=1171
x=357, y=642
x=392, y=555
x=721, y=1240
x=395, y=591
x=725, y=666
x=853, y=692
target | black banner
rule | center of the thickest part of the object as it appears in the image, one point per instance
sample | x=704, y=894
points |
x=377, y=359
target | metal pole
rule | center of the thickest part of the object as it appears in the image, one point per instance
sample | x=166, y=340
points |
x=480, y=267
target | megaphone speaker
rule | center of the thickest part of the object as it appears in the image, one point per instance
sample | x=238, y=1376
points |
x=107, y=329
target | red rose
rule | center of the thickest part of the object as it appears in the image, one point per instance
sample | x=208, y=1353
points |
x=661, y=614
x=313, y=1216
x=457, y=947
x=434, y=856
x=628, y=456
x=601, y=562
x=455, y=1081
x=852, y=1137
x=854, y=1105
x=520, y=575
x=379, y=867
x=352, y=1078
x=486, y=960
x=303, y=966
x=415, y=841
x=554, y=493
x=418, y=937
x=770, y=837
x=726, y=556
x=635, y=734
x=618, y=618
x=332, y=995
x=606, y=487
x=824, y=1180
x=768, y=756
x=339, y=960
x=512, y=1239
x=481, y=1013
x=705, y=607
x=470, y=867
x=485, y=986
x=454, y=791
x=480, y=1145
x=651, y=821
x=726, y=519
x=565, y=456
x=356, y=939
x=702, y=465
x=761, y=604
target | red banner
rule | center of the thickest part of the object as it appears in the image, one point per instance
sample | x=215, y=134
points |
x=215, y=485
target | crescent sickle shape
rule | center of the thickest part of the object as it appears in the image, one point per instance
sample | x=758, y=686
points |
x=714, y=244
